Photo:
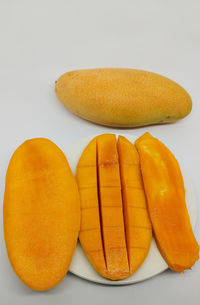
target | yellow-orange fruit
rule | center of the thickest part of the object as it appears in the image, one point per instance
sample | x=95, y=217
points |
x=115, y=229
x=123, y=97
x=137, y=222
x=111, y=208
x=90, y=230
x=41, y=213
x=164, y=188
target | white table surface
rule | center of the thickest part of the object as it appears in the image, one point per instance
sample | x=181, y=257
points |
x=39, y=40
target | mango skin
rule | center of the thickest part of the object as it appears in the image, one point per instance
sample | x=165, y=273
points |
x=123, y=97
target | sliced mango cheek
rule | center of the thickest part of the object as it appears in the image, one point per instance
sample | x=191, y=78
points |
x=115, y=229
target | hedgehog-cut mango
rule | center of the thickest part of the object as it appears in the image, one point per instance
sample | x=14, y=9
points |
x=165, y=192
x=115, y=228
x=41, y=213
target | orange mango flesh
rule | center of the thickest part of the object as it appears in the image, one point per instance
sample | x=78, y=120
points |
x=137, y=223
x=90, y=230
x=164, y=188
x=111, y=238
x=41, y=213
x=111, y=208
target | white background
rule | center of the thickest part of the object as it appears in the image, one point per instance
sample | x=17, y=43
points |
x=40, y=40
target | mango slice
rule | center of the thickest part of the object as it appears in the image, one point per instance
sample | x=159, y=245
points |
x=115, y=229
x=90, y=231
x=164, y=188
x=41, y=213
x=112, y=220
x=137, y=223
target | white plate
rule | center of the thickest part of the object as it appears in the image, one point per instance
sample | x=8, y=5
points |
x=154, y=263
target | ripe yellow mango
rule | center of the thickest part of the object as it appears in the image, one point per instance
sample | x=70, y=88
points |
x=123, y=97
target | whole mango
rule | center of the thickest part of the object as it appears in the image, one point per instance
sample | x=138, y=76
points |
x=123, y=97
